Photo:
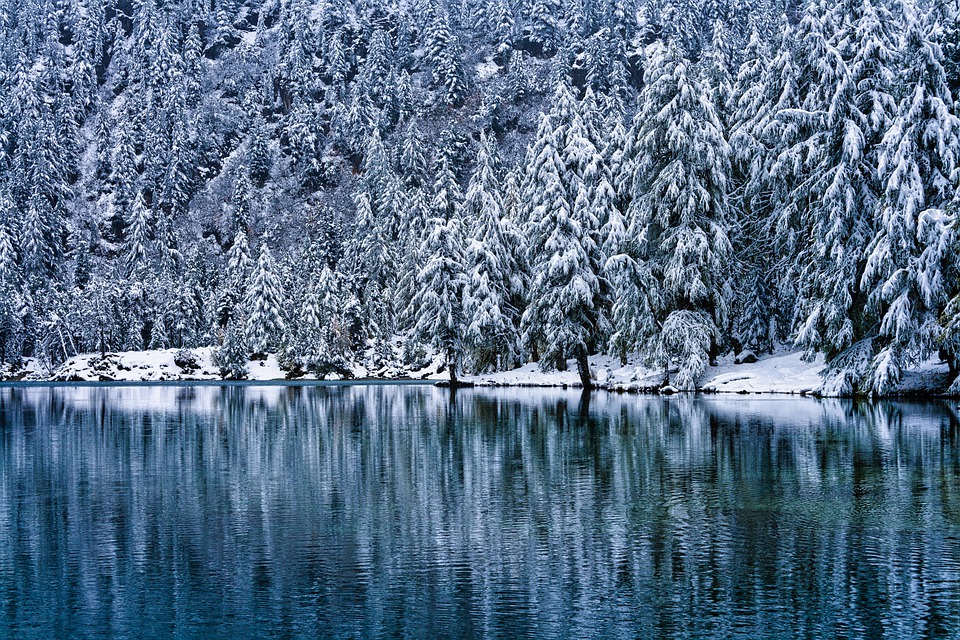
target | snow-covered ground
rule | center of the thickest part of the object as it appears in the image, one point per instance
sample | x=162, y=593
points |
x=175, y=365
x=784, y=372
x=780, y=373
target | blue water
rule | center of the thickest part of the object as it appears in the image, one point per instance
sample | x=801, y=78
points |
x=405, y=512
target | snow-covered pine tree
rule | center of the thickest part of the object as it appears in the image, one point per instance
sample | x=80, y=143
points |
x=678, y=211
x=443, y=52
x=542, y=22
x=838, y=190
x=490, y=326
x=264, y=304
x=138, y=234
x=331, y=354
x=239, y=263
x=232, y=356
x=11, y=325
x=566, y=308
x=767, y=231
x=415, y=215
x=259, y=155
x=437, y=305
x=373, y=255
x=634, y=292
x=716, y=71
x=512, y=227
x=905, y=261
x=750, y=232
x=178, y=184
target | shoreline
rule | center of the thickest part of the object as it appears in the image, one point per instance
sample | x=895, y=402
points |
x=783, y=373
x=442, y=384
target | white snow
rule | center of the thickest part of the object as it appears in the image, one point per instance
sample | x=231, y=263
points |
x=781, y=373
x=784, y=373
x=153, y=365
x=487, y=69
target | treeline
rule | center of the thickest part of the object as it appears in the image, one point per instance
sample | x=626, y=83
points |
x=494, y=181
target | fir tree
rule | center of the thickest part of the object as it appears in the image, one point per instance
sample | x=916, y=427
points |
x=437, y=305
x=678, y=212
x=838, y=189
x=568, y=288
x=260, y=160
x=918, y=172
x=138, y=234
x=443, y=51
x=264, y=304
x=490, y=328
x=231, y=357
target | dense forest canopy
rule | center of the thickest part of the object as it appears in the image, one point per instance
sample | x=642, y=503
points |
x=496, y=181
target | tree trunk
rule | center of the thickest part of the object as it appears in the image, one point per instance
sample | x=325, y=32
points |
x=583, y=368
x=452, y=365
x=561, y=362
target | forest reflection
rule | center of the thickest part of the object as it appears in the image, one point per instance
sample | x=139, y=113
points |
x=372, y=511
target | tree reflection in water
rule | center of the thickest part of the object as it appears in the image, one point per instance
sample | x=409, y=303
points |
x=373, y=511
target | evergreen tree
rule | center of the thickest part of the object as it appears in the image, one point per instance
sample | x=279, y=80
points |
x=678, y=212
x=321, y=339
x=443, y=51
x=490, y=328
x=11, y=326
x=918, y=172
x=264, y=304
x=260, y=160
x=838, y=188
x=231, y=357
x=138, y=234
x=437, y=305
x=568, y=288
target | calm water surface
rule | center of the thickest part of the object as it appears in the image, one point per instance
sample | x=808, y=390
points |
x=367, y=512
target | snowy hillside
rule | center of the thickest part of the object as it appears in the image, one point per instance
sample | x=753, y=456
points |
x=496, y=182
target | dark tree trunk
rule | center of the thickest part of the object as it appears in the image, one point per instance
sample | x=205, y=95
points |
x=452, y=365
x=583, y=368
x=561, y=362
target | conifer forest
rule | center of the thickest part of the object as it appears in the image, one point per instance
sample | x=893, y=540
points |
x=493, y=182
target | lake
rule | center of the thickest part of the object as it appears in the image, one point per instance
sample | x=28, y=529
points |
x=374, y=511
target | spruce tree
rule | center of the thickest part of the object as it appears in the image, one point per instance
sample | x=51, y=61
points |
x=264, y=304
x=905, y=277
x=138, y=234
x=11, y=326
x=490, y=328
x=568, y=287
x=838, y=190
x=678, y=212
x=260, y=160
x=437, y=305
x=232, y=356
x=443, y=51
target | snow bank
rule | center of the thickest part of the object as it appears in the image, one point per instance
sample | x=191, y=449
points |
x=147, y=366
x=781, y=373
